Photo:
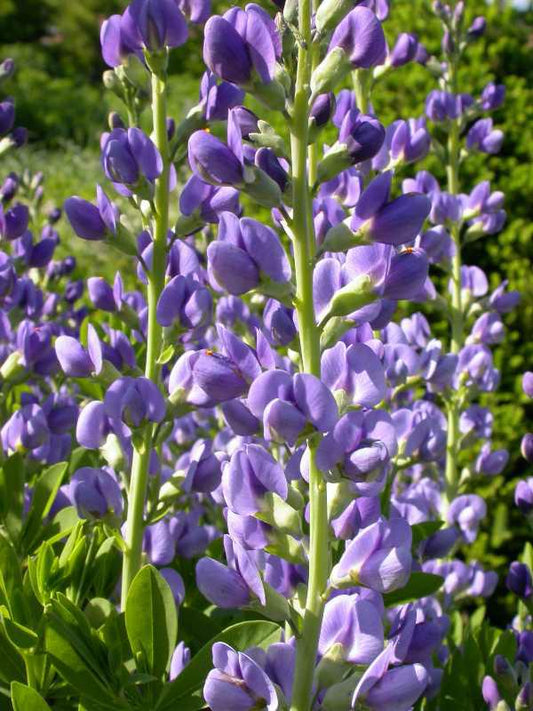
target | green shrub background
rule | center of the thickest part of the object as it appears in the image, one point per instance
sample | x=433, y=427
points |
x=60, y=99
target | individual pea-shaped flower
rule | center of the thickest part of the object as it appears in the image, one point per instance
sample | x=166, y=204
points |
x=467, y=511
x=523, y=495
x=361, y=38
x=351, y=630
x=205, y=378
x=7, y=116
x=279, y=323
x=379, y=557
x=8, y=275
x=14, y=222
x=130, y=160
x=216, y=162
x=404, y=50
x=249, y=476
x=180, y=658
x=355, y=371
x=396, y=222
x=526, y=447
x=154, y=24
x=95, y=493
x=491, y=462
x=186, y=303
x=159, y=542
x=242, y=46
x=217, y=97
x=238, y=682
x=245, y=253
x=492, y=96
x=490, y=693
x=135, y=401
x=527, y=383
x=116, y=41
x=234, y=585
x=27, y=428
x=103, y=296
x=441, y=105
x=488, y=329
x=77, y=361
x=92, y=222
x=519, y=580
x=202, y=466
x=504, y=301
x=287, y=404
x=207, y=202
x=484, y=137
x=390, y=689
x=175, y=583
x=405, y=141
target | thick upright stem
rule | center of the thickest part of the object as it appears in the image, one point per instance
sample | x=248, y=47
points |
x=456, y=305
x=361, y=88
x=156, y=280
x=304, y=252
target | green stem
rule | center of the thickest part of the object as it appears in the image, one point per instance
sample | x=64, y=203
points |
x=304, y=253
x=361, y=78
x=456, y=305
x=156, y=281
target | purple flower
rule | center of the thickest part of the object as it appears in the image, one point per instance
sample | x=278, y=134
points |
x=361, y=38
x=351, y=629
x=250, y=474
x=77, y=361
x=237, y=682
x=526, y=447
x=519, y=580
x=242, y=45
x=287, y=403
x=215, y=162
x=27, y=428
x=245, y=252
x=523, y=495
x=14, y=222
x=406, y=141
x=232, y=585
x=491, y=462
x=186, y=303
x=362, y=135
x=467, y=511
x=216, y=98
x=356, y=371
x=527, y=383
x=130, y=158
x=492, y=96
x=441, y=105
x=180, y=658
x=95, y=493
x=92, y=222
x=483, y=137
x=490, y=693
x=379, y=557
x=197, y=11
x=176, y=584
x=135, y=401
x=116, y=42
x=404, y=50
x=154, y=24
x=7, y=116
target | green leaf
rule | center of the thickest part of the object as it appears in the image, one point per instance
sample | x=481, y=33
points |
x=44, y=494
x=151, y=621
x=25, y=698
x=419, y=585
x=19, y=635
x=185, y=691
x=12, y=493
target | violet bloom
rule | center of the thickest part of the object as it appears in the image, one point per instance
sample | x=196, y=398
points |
x=250, y=475
x=351, y=630
x=207, y=201
x=89, y=221
x=396, y=222
x=116, y=41
x=491, y=462
x=180, y=658
x=286, y=404
x=217, y=97
x=490, y=693
x=77, y=361
x=27, y=428
x=233, y=585
x=404, y=50
x=175, y=583
x=483, y=137
x=242, y=46
x=523, y=495
x=14, y=222
x=154, y=24
x=395, y=689
x=184, y=302
x=130, y=160
x=196, y=11
x=216, y=162
x=405, y=141
x=135, y=401
x=279, y=323
x=202, y=466
x=441, y=105
x=519, y=580
x=159, y=543
x=526, y=447
x=360, y=36
x=492, y=96
x=7, y=116
x=362, y=135
x=356, y=371
x=467, y=511
x=238, y=682
x=527, y=383
x=379, y=557
x=245, y=253
x=95, y=493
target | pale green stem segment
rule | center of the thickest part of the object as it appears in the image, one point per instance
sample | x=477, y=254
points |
x=456, y=306
x=156, y=281
x=304, y=253
x=361, y=85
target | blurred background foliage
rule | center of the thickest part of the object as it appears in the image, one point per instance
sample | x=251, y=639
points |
x=61, y=100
